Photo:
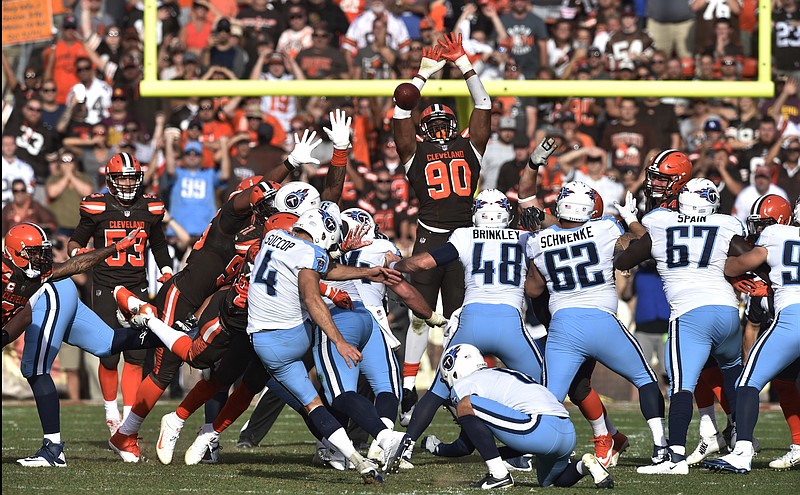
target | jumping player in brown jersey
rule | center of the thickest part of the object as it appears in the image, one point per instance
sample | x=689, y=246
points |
x=105, y=218
x=443, y=167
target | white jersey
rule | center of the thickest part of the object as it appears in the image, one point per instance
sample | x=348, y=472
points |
x=98, y=101
x=510, y=388
x=370, y=293
x=578, y=264
x=274, y=295
x=494, y=264
x=283, y=108
x=783, y=257
x=690, y=254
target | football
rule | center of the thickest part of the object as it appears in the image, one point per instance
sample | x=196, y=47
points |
x=406, y=96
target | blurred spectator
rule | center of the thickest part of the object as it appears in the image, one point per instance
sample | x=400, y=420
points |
x=674, y=70
x=96, y=94
x=742, y=129
x=321, y=60
x=708, y=11
x=629, y=43
x=108, y=47
x=375, y=61
x=692, y=127
x=357, y=36
x=559, y=47
x=14, y=169
x=785, y=109
x=92, y=17
x=261, y=16
x=282, y=108
x=525, y=35
x=223, y=49
x=28, y=87
x=510, y=172
x=23, y=208
x=387, y=210
x=51, y=111
x=568, y=124
x=669, y=24
x=499, y=150
x=662, y=119
x=722, y=43
x=722, y=170
x=786, y=41
x=753, y=157
x=588, y=164
x=331, y=13
x=192, y=195
x=298, y=34
x=761, y=185
x=786, y=152
x=605, y=29
x=625, y=71
x=118, y=116
x=94, y=152
x=627, y=139
x=729, y=69
x=65, y=189
x=33, y=139
x=60, y=59
x=658, y=65
x=196, y=34
x=213, y=130
x=597, y=65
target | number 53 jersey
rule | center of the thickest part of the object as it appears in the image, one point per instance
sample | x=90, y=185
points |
x=578, y=264
x=690, y=254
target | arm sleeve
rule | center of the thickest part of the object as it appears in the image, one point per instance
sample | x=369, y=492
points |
x=229, y=221
x=445, y=254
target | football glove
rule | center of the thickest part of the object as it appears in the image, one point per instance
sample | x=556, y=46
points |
x=531, y=218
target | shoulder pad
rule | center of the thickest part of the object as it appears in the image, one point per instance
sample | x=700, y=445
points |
x=155, y=206
x=465, y=133
x=93, y=204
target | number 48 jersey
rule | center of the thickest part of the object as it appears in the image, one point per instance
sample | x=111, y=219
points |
x=578, y=264
x=690, y=254
x=783, y=257
x=494, y=264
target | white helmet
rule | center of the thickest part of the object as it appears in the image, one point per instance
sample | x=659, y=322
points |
x=297, y=197
x=491, y=209
x=352, y=218
x=699, y=197
x=333, y=210
x=459, y=361
x=575, y=202
x=321, y=226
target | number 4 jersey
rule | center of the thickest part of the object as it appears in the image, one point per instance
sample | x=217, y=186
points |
x=107, y=221
x=690, y=254
x=578, y=264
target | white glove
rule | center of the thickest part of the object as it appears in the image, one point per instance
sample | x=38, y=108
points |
x=542, y=152
x=303, y=147
x=122, y=321
x=140, y=320
x=429, y=66
x=628, y=210
x=339, y=132
x=430, y=443
x=436, y=320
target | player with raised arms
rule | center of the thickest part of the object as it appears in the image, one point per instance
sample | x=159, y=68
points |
x=443, y=167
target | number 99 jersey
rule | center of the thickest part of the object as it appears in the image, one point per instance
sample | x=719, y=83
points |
x=690, y=254
x=578, y=264
x=494, y=264
x=783, y=257
x=444, y=179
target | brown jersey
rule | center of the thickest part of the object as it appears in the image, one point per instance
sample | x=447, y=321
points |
x=233, y=310
x=444, y=179
x=107, y=221
x=18, y=289
x=624, y=46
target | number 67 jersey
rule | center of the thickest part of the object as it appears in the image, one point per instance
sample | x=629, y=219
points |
x=690, y=254
x=578, y=264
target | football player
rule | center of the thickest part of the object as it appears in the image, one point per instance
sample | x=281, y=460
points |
x=688, y=245
x=573, y=261
x=525, y=416
x=778, y=245
x=443, y=167
x=39, y=297
x=106, y=217
x=284, y=285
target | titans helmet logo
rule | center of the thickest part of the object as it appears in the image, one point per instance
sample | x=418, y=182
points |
x=709, y=195
x=328, y=221
x=293, y=200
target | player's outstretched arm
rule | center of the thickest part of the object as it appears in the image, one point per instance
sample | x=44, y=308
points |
x=308, y=282
x=339, y=134
x=301, y=154
x=83, y=262
x=535, y=283
x=424, y=261
x=416, y=303
x=635, y=253
x=378, y=274
x=480, y=121
x=738, y=265
x=528, y=184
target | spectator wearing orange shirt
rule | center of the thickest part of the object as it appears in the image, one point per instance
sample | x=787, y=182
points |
x=196, y=33
x=212, y=131
x=61, y=57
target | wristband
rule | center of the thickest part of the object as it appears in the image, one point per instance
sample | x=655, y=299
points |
x=533, y=166
x=289, y=165
x=418, y=81
x=392, y=265
x=400, y=113
x=424, y=79
x=73, y=252
x=463, y=64
x=339, y=158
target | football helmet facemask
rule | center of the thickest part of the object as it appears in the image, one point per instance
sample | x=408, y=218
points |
x=666, y=175
x=438, y=124
x=769, y=209
x=124, y=176
x=28, y=248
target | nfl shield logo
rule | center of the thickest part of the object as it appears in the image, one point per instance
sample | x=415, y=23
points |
x=126, y=213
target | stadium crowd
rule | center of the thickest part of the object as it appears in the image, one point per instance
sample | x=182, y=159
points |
x=78, y=105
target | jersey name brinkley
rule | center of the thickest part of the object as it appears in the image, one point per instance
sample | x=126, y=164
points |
x=690, y=254
x=494, y=264
x=370, y=293
x=783, y=257
x=578, y=264
x=273, y=298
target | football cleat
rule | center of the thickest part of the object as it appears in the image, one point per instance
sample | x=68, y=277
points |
x=407, y=405
x=488, y=482
x=430, y=443
x=329, y=455
x=245, y=443
x=127, y=446
x=212, y=452
x=665, y=467
x=520, y=463
x=729, y=434
x=202, y=443
x=368, y=471
x=393, y=445
x=603, y=448
x=620, y=446
x=660, y=454
x=375, y=452
x=168, y=436
x=739, y=461
x=600, y=475
x=113, y=425
x=706, y=447
x=50, y=455
x=787, y=460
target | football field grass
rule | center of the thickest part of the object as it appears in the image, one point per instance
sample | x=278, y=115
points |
x=282, y=464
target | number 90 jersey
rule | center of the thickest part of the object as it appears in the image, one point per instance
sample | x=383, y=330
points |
x=273, y=298
x=444, y=179
x=690, y=254
x=783, y=257
x=494, y=264
x=578, y=264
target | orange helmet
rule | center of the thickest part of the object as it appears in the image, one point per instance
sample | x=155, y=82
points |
x=29, y=249
x=246, y=184
x=124, y=165
x=599, y=206
x=667, y=173
x=438, y=123
x=283, y=221
x=769, y=209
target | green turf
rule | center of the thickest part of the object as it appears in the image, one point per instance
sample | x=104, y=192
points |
x=282, y=463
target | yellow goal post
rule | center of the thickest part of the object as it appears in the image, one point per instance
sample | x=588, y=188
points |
x=761, y=87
